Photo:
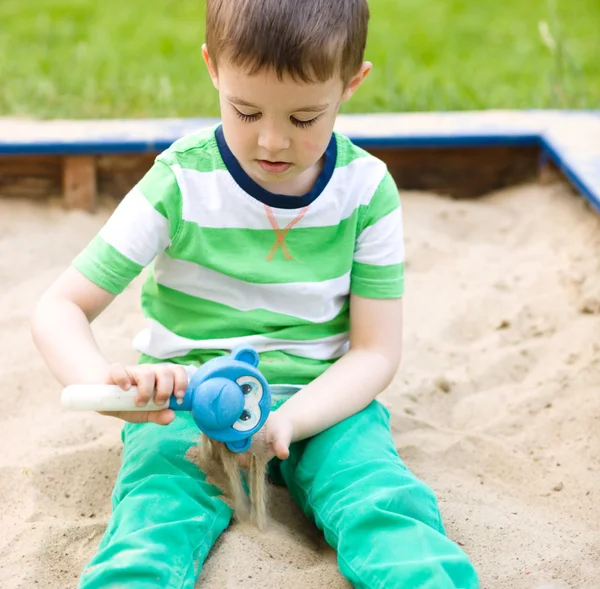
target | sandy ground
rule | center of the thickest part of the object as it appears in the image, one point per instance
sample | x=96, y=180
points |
x=496, y=406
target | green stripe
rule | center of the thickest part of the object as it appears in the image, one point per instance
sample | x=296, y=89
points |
x=347, y=152
x=161, y=189
x=196, y=318
x=377, y=282
x=198, y=151
x=385, y=200
x=101, y=263
x=243, y=252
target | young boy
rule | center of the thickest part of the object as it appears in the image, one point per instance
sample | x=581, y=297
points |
x=272, y=230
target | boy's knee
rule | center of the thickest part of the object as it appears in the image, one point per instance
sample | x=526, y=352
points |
x=405, y=499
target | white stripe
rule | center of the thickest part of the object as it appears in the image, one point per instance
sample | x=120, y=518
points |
x=312, y=301
x=136, y=229
x=213, y=199
x=157, y=341
x=382, y=243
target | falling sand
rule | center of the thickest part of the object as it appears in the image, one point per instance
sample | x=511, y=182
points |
x=222, y=469
x=496, y=404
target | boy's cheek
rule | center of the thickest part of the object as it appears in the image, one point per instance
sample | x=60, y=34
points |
x=310, y=146
x=236, y=133
x=318, y=140
x=314, y=148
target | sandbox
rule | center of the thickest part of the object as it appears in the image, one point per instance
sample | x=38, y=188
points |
x=496, y=403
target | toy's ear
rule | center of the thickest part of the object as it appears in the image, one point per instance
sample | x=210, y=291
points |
x=245, y=354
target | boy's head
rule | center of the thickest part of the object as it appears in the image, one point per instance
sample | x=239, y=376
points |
x=282, y=68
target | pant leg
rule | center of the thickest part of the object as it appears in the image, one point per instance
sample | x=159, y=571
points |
x=383, y=522
x=165, y=518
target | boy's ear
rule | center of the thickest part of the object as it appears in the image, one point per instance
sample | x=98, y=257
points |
x=357, y=80
x=212, y=70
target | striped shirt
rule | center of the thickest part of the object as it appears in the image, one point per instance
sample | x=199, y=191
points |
x=229, y=262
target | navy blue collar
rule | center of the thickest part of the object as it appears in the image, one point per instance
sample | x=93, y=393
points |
x=280, y=201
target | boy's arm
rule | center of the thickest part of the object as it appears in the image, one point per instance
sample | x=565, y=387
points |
x=350, y=384
x=61, y=330
x=60, y=326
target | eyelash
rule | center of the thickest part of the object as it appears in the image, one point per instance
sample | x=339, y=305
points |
x=304, y=124
x=251, y=118
x=246, y=118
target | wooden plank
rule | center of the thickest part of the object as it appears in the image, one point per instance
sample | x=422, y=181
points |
x=463, y=172
x=548, y=173
x=79, y=182
x=31, y=177
x=31, y=165
x=118, y=174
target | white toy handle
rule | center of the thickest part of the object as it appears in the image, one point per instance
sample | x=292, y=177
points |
x=104, y=397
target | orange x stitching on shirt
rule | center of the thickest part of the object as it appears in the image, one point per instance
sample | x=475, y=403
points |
x=281, y=233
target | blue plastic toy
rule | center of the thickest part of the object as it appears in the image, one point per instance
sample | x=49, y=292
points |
x=229, y=398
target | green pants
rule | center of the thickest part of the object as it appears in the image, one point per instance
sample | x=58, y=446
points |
x=382, y=521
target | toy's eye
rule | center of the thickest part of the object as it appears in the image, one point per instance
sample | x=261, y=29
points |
x=250, y=387
x=253, y=393
x=248, y=420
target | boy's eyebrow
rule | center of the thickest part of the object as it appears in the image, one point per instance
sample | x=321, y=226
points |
x=312, y=108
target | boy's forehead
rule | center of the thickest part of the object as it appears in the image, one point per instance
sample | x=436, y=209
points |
x=265, y=87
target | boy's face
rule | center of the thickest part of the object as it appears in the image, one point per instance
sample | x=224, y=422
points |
x=278, y=130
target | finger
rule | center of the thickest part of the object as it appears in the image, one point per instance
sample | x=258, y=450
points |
x=164, y=417
x=109, y=413
x=180, y=381
x=145, y=379
x=164, y=385
x=118, y=375
x=281, y=450
x=159, y=417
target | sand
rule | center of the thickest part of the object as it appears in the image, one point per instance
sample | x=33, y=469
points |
x=496, y=405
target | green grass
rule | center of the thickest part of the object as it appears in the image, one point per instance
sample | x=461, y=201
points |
x=138, y=58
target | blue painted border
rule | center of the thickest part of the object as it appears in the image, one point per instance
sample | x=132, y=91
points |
x=578, y=181
x=445, y=141
x=111, y=146
x=570, y=138
x=99, y=147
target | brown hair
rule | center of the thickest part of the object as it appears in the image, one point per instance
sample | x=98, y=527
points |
x=310, y=40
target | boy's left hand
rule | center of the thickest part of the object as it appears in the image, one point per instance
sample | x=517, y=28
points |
x=272, y=440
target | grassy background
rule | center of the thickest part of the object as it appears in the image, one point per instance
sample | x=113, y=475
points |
x=137, y=58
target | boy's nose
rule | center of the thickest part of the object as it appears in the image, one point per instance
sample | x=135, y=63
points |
x=273, y=140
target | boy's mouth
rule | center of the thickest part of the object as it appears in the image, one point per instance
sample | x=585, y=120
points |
x=274, y=167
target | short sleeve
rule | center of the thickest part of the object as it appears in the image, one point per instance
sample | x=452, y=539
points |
x=143, y=225
x=378, y=265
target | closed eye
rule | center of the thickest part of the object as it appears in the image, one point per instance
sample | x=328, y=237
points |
x=304, y=124
x=247, y=118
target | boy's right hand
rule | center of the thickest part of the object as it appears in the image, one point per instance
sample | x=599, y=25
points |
x=157, y=381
